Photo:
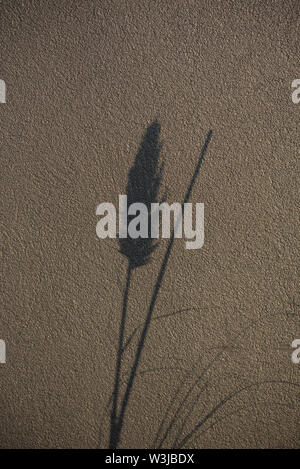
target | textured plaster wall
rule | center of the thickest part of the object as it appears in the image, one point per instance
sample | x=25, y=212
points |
x=84, y=79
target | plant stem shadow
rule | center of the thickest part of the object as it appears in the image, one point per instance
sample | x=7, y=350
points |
x=143, y=183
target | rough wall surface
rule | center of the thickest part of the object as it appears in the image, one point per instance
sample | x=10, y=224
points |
x=84, y=80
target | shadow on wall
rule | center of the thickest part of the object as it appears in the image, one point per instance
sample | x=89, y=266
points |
x=143, y=184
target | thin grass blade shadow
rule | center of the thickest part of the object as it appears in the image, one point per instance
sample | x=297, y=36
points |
x=226, y=399
x=180, y=406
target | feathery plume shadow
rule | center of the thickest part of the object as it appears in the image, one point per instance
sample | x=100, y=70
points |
x=143, y=184
x=144, y=180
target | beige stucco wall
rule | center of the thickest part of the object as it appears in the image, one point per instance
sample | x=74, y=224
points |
x=84, y=80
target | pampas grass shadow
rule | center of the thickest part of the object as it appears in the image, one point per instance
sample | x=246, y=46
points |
x=144, y=180
x=143, y=186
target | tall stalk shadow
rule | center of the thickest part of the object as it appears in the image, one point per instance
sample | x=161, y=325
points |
x=124, y=404
x=143, y=184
